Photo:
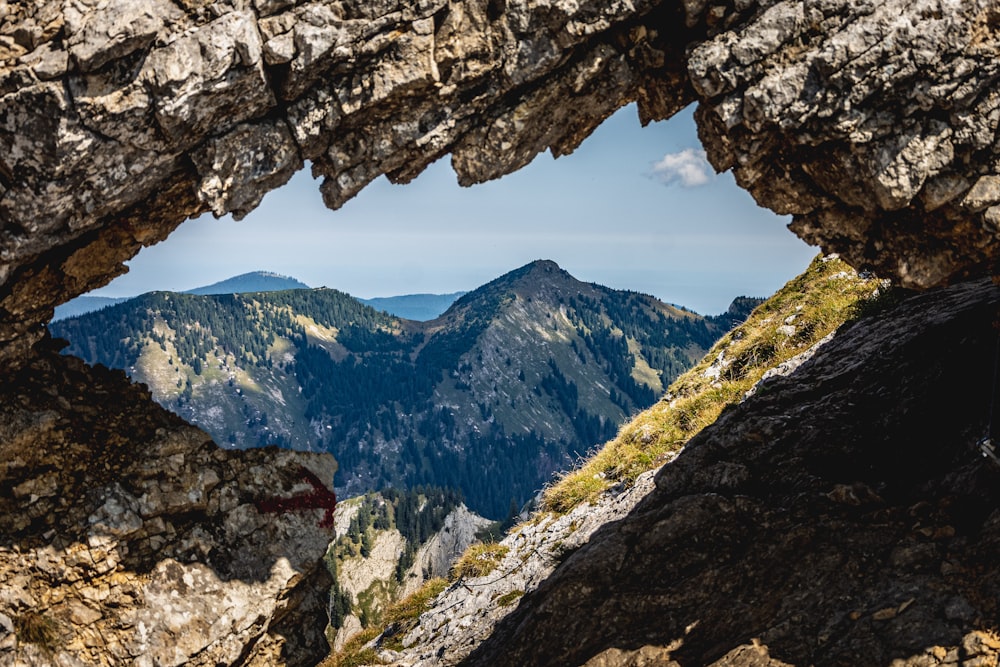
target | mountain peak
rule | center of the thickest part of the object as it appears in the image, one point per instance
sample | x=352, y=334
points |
x=254, y=281
x=544, y=265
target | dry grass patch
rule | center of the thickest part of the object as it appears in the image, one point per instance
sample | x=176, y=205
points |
x=479, y=560
x=805, y=310
x=400, y=619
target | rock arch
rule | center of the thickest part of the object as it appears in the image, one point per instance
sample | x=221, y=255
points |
x=872, y=123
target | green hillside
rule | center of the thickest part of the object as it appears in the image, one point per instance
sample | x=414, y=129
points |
x=515, y=382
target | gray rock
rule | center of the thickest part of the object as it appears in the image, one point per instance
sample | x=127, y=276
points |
x=866, y=121
x=159, y=547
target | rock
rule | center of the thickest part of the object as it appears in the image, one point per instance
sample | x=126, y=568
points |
x=436, y=556
x=469, y=611
x=371, y=580
x=134, y=557
x=873, y=126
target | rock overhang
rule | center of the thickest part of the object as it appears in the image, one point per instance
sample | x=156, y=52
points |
x=872, y=124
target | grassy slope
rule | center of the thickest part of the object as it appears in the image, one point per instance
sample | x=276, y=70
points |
x=800, y=314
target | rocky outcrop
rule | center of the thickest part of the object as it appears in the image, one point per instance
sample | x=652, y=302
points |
x=469, y=610
x=436, y=556
x=128, y=537
x=370, y=580
x=873, y=123
x=842, y=514
x=834, y=516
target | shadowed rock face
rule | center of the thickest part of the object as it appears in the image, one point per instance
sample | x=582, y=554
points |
x=135, y=540
x=847, y=523
x=842, y=515
x=872, y=122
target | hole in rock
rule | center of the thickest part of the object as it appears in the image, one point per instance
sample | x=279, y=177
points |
x=606, y=214
x=633, y=208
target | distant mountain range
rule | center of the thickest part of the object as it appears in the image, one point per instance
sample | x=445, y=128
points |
x=510, y=385
x=255, y=281
x=85, y=304
x=420, y=307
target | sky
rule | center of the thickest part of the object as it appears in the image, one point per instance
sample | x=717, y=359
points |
x=632, y=208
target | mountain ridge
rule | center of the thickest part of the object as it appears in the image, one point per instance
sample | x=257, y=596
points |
x=507, y=387
x=417, y=307
x=253, y=281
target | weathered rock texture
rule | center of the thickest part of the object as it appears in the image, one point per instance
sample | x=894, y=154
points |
x=130, y=538
x=841, y=515
x=469, y=610
x=873, y=123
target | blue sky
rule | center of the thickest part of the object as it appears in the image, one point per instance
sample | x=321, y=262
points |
x=633, y=208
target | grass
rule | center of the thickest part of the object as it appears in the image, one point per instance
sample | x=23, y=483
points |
x=34, y=628
x=507, y=599
x=805, y=310
x=399, y=620
x=479, y=560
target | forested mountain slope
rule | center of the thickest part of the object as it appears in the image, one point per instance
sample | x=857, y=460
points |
x=513, y=383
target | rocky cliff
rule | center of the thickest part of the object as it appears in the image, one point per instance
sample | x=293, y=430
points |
x=842, y=516
x=373, y=581
x=128, y=537
x=873, y=123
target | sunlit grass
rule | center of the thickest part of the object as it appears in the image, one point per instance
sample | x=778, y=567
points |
x=479, y=560
x=400, y=618
x=800, y=314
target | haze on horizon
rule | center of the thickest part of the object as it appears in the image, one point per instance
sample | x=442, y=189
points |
x=633, y=208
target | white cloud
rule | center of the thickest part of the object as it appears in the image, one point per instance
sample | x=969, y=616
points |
x=688, y=167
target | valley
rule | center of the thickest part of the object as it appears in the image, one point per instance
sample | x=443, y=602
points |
x=512, y=384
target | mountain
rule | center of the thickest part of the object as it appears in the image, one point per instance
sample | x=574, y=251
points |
x=513, y=383
x=84, y=304
x=419, y=307
x=255, y=281
x=607, y=492
x=387, y=546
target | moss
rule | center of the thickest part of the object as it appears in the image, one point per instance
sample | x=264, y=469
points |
x=507, y=599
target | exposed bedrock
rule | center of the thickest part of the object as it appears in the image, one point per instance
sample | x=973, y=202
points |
x=128, y=538
x=843, y=515
x=874, y=123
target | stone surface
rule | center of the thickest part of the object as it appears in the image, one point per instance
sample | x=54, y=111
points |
x=862, y=528
x=138, y=541
x=470, y=609
x=873, y=124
